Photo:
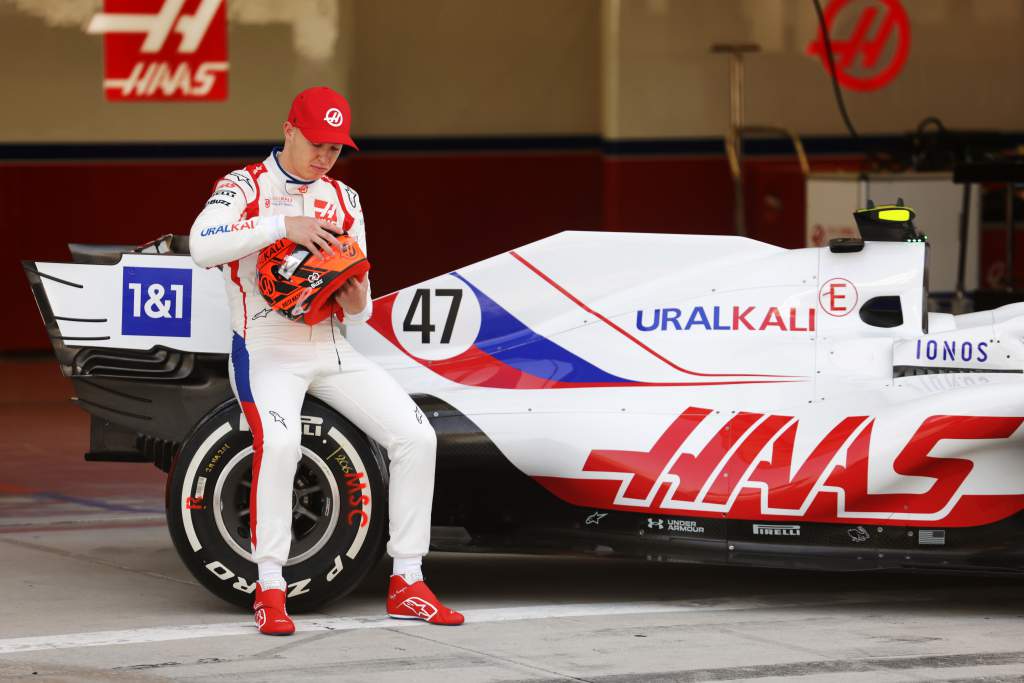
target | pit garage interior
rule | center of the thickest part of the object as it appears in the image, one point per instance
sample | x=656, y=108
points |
x=484, y=126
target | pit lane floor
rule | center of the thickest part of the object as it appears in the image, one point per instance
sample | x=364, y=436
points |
x=92, y=590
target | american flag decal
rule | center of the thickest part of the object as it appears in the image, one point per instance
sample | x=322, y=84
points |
x=931, y=537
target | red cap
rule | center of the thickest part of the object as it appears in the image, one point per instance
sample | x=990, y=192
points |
x=322, y=115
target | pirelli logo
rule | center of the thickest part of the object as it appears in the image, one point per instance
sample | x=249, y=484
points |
x=776, y=529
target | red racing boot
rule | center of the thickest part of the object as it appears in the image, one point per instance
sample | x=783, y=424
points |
x=271, y=616
x=416, y=601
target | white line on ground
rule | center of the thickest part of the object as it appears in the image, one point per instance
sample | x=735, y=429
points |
x=482, y=616
x=306, y=625
x=76, y=522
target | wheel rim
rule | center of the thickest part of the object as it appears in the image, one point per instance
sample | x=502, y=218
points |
x=316, y=505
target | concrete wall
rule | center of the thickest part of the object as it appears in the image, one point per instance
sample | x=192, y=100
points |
x=466, y=67
x=965, y=66
x=410, y=68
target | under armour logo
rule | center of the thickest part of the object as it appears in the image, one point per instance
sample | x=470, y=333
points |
x=333, y=117
x=277, y=418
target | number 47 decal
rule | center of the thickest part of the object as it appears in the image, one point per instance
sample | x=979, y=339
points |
x=421, y=302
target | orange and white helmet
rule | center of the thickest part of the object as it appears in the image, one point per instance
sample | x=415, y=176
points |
x=301, y=286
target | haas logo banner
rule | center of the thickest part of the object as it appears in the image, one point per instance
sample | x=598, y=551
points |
x=164, y=50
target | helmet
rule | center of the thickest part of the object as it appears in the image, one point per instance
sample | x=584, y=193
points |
x=301, y=286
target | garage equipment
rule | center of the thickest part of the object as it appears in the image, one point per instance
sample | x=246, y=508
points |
x=734, y=137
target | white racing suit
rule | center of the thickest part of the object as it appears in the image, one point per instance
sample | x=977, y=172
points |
x=276, y=361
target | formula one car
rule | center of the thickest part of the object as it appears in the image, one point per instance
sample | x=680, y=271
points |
x=676, y=397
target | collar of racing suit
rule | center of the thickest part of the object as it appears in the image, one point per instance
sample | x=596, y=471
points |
x=290, y=183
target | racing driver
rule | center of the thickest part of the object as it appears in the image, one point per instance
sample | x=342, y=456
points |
x=276, y=361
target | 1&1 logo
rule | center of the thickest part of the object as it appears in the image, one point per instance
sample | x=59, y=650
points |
x=875, y=48
x=157, y=302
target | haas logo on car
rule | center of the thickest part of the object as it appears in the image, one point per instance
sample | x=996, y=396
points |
x=748, y=467
x=178, y=52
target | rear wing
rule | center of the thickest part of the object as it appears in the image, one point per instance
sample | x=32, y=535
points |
x=132, y=299
x=143, y=333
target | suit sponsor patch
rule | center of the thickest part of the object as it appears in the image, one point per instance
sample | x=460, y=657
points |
x=226, y=229
x=325, y=210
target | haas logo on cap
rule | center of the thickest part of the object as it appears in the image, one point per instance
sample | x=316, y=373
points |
x=333, y=117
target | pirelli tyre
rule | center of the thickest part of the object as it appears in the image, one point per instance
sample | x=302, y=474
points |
x=339, y=507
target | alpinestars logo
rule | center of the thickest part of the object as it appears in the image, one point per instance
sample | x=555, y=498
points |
x=174, y=50
x=420, y=607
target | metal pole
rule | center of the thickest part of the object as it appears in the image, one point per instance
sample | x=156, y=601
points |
x=1010, y=240
x=965, y=213
x=734, y=137
x=736, y=125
